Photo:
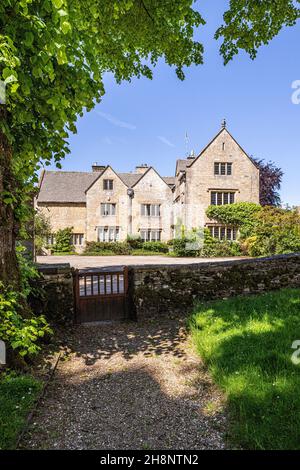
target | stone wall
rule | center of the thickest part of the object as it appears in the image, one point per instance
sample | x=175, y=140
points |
x=56, y=298
x=163, y=290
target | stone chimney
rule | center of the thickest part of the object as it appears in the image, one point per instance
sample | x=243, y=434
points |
x=142, y=168
x=97, y=167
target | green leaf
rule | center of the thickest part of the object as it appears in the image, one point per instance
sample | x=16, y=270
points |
x=66, y=27
x=58, y=3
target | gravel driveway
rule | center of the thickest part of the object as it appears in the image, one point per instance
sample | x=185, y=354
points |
x=102, y=261
x=129, y=386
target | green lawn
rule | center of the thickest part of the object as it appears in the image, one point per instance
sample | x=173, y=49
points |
x=246, y=344
x=17, y=395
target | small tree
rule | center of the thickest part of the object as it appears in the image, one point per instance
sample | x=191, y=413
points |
x=64, y=240
x=42, y=231
x=270, y=178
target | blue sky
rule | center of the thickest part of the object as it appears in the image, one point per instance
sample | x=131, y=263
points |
x=145, y=121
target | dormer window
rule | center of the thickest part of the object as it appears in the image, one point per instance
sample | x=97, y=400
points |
x=108, y=185
x=223, y=169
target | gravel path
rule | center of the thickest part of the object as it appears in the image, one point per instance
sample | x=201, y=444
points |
x=129, y=386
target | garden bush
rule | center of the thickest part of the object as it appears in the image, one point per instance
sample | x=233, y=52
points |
x=21, y=333
x=156, y=247
x=277, y=231
x=134, y=241
x=241, y=215
x=116, y=248
x=63, y=242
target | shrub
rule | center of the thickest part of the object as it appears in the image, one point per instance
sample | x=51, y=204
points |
x=134, y=241
x=182, y=247
x=218, y=248
x=241, y=215
x=277, y=231
x=117, y=248
x=42, y=230
x=156, y=247
x=63, y=241
x=21, y=334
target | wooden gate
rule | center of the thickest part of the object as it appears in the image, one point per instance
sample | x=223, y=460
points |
x=101, y=295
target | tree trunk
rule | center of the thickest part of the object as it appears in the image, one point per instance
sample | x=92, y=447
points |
x=9, y=271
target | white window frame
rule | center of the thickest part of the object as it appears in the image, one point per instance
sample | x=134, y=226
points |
x=150, y=234
x=108, y=234
x=150, y=210
x=77, y=239
x=108, y=209
x=223, y=168
x=223, y=232
x=222, y=198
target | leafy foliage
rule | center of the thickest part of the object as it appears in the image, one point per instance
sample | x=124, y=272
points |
x=53, y=54
x=270, y=178
x=116, y=248
x=131, y=246
x=277, y=231
x=63, y=239
x=21, y=334
x=42, y=230
x=239, y=214
x=264, y=231
x=249, y=24
x=191, y=245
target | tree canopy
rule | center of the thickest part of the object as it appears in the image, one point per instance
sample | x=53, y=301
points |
x=54, y=53
x=248, y=24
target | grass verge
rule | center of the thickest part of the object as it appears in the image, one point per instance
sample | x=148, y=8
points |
x=17, y=395
x=247, y=344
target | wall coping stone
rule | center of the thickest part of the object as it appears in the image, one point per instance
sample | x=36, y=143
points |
x=58, y=268
x=194, y=266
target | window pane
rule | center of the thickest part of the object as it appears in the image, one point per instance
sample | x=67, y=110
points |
x=231, y=198
x=229, y=168
x=223, y=233
x=229, y=234
x=213, y=198
x=223, y=169
x=217, y=167
x=219, y=199
x=226, y=198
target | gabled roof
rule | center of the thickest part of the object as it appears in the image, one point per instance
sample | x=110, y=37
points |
x=130, y=178
x=170, y=180
x=181, y=165
x=65, y=186
x=224, y=129
x=146, y=172
x=71, y=186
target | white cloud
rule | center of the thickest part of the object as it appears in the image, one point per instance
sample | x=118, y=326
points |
x=165, y=141
x=115, y=121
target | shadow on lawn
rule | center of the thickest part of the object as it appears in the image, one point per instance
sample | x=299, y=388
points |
x=249, y=355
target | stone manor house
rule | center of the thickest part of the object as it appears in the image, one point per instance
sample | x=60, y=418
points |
x=104, y=205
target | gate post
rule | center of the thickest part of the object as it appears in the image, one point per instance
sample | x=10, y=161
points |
x=76, y=294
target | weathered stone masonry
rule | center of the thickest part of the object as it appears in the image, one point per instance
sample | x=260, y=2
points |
x=57, y=295
x=164, y=290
